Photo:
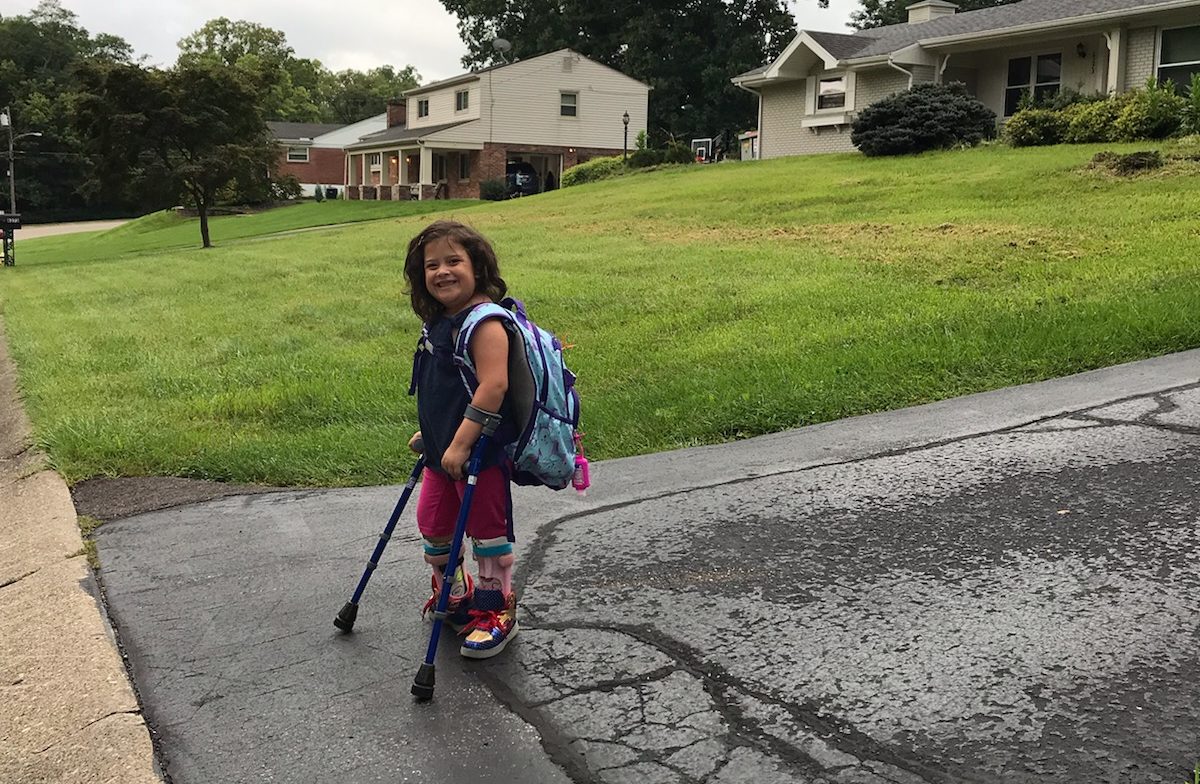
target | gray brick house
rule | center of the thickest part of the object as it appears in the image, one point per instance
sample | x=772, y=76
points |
x=810, y=94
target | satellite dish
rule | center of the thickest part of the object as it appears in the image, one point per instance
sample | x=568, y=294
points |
x=501, y=45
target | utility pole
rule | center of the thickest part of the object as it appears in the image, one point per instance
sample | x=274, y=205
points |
x=6, y=121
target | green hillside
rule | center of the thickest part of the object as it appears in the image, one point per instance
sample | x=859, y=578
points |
x=704, y=304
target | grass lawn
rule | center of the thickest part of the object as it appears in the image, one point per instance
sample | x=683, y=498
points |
x=705, y=304
x=166, y=230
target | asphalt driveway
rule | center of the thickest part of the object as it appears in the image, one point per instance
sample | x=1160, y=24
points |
x=1002, y=587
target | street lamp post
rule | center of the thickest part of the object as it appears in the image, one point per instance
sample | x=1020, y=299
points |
x=6, y=121
x=625, y=147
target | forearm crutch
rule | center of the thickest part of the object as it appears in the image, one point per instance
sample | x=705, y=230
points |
x=345, y=618
x=422, y=687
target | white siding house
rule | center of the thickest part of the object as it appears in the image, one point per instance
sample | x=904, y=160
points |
x=549, y=112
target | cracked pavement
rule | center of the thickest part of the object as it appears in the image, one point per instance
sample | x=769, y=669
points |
x=999, y=588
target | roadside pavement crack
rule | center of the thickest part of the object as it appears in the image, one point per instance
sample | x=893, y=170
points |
x=16, y=580
x=73, y=733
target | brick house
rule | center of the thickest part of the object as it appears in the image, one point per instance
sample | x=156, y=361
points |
x=810, y=94
x=444, y=139
x=315, y=152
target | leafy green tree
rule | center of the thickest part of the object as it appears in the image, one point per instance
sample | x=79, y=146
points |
x=195, y=129
x=349, y=96
x=288, y=87
x=686, y=51
x=38, y=52
x=878, y=13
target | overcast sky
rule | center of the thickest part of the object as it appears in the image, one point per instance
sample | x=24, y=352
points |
x=357, y=34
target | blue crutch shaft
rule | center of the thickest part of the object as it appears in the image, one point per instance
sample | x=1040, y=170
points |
x=345, y=618
x=388, y=529
x=460, y=530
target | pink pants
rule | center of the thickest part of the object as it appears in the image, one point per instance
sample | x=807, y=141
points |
x=491, y=506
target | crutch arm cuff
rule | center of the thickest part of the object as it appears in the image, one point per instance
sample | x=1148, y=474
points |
x=488, y=419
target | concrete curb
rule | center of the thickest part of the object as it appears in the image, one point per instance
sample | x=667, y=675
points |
x=67, y=710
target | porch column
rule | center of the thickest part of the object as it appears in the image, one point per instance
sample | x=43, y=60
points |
x=403, y=179
x=362, y=169
x=1116, y=59
x=426, y=165
x=385, y=169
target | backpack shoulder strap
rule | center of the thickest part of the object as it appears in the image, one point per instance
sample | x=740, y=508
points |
x=423, y=347
x=478, y=315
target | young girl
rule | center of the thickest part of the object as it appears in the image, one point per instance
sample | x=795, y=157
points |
x=450, y=269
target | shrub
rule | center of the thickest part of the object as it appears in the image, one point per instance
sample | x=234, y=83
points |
x=1153, y=112
x=1191, y=109
x=285, y=187
x=678, y=152
x=926, y=117
x=319, y=193
x=595, y=169
x=1034, y=127
x=493, y=189
x=640, y=159
x=1092, y=122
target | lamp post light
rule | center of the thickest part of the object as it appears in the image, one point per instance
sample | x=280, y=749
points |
x=625, y=146
x=6, y=121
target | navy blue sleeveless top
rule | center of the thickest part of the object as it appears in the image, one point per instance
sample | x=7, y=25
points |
x=442, y=397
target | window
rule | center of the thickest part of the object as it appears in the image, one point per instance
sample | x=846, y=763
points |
x=568, y=104
x=423, y=107
x=297, y=155
x=1039, y=76
x=461, y=99
x=374, y=159
x=439, y=168
x=1180, y=57
x=464, y=166
x=831, y=93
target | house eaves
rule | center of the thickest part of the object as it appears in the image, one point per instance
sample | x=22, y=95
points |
x=402, y=135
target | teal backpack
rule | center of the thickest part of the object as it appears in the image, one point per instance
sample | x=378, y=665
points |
x=541, y=394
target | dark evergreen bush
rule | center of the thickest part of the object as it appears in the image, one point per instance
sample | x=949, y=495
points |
x=492, y=190
x=927, y=117
x=640, y=159
x=678, y=152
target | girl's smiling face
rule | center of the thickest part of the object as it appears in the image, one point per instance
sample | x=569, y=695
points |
x=449, y=274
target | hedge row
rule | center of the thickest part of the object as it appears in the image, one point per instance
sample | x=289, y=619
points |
x=1152, y=112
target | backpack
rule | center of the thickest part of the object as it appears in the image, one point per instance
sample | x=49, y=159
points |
x=541, y=394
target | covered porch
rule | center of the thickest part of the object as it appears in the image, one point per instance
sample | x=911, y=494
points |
x=401, y=163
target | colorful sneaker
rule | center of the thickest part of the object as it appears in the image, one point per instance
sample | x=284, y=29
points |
x=493, y=624
x=458, y=607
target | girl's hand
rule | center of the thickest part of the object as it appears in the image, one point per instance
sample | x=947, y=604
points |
x=454, y=461
x=416, y=444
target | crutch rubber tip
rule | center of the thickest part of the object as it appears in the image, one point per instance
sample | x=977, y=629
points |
x=422, y=687
x=345, y=619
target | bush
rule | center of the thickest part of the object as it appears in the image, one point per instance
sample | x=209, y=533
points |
x=285, y=187
x=1191, y=109
x=640, y=159
x=493, y=189
x=926, y=117
x=319, y=193
x=1153, y=112
x=1035, y=127
x=678, y=152
x=1092, y=122
x=595, y=169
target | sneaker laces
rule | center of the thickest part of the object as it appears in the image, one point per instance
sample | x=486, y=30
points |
x=485, y=620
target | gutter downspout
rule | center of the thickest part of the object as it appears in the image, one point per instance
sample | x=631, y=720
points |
x=758, y=95
x=909, y=74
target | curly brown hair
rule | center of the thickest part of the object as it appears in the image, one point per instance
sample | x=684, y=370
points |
x=483, y=261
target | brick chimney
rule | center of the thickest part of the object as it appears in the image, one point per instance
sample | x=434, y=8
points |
x=397, y=112
x=929, y=9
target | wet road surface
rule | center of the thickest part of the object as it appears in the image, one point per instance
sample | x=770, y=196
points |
x=1017, y=600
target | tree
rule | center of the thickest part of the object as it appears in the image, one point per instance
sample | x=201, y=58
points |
x=195, y=128
x=686, y=51
x=38, y=53
x=349, y=96
x=288, y=87
x=878, y=13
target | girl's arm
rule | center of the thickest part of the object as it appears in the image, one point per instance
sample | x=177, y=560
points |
x=489, y=350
